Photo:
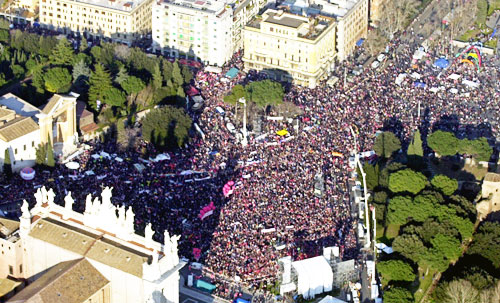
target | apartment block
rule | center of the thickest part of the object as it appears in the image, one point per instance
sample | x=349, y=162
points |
x=290, y=47
x=120, y=20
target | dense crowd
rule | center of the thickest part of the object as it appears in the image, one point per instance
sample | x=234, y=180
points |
x=273, y=210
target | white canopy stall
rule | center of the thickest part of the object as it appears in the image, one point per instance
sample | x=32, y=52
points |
x=315, y=276
x=330, y=299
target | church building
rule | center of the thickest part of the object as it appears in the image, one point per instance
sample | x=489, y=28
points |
x=66, y=256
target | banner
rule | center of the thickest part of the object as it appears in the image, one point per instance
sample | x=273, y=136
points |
x=282, y=132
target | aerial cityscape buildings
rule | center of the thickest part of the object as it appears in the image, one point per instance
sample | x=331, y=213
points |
x=263, y=151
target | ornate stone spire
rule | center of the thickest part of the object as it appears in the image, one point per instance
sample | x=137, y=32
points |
x=25, y=220
x=68, y=206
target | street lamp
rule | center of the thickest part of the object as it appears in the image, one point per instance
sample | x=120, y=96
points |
x=244, y=142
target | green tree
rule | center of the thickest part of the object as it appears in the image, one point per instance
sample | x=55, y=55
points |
x=415, y=147
x=57, y=80
x=398, y=295
x=17, y=71
x=47, y=45
x=395, y=270
x=446, y=185
x=443, y=143
x=479, y=148
x=236, y=94
x=407, y=180
x=400, y=209
x=2, y=80
x=62, y=54
x=409, y=246
x=434, y=259
x=166, y=70
x=4, y=35
x=180, y=92
x=176, y=74
x=186, y=74
x=51, y=162
x=487, y=242
x=166, y=127
x=385, y=144
x=448, y=246
x=83, y=45
x=38, y=82
x=41, y=154
x=132, y=85
x=114, y=97
x=81, y=71
x=157, y=78
x=7, y=165
x=100, y=84
x=372, y=173
x=265, y=92
x=122, y=75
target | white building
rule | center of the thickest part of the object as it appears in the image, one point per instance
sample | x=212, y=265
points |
x=209, y=31
x=102, y=246
x=199, y=30
x=351, y=17
x=23, y=127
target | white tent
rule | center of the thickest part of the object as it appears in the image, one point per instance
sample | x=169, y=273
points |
x=213, y=69
x=315, y=276
x=330, y=299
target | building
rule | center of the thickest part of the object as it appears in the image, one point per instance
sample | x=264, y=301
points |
x=490, y=194
x=209, y=31
x=376, y=10
x=352, y=18
x=23, y=127
x=199, y=30
x=119, y=20
x=290, y=47
x=96, y=256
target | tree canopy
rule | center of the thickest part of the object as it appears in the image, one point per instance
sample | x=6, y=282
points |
x=265, y=92
x=447, y=144
x=407, y=180
x=62, y=54
x=444, y=143
x=166, y=127
x=57, y=80
x=446, y=185
x=398, y=295
x=395, y=270
x=487, y=242
x=385, y=144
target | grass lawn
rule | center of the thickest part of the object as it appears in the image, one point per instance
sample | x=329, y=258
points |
x=471, y=33
x=424, y=284
x=491, y=43
x=493, y=6
x=387, y=234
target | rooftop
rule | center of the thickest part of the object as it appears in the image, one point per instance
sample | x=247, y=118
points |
x=70, y=281
x=307, y=28
x=20, y=106
x=7, y=227
x=17, y=128
x=200, y=5
x=7, y=285
x=92, y=245
x=121, y=5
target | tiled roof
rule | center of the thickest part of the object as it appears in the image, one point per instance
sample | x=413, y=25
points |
x=7, y=226
x=92, y=246
x=17, y=128
x=52, y=103
x=71, y=281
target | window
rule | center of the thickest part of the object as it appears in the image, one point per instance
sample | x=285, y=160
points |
x=15, y=151
x=20, y=268
x=271, y=29
x=24, y=146
x=11, y=270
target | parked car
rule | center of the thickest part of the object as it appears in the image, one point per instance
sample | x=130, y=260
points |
x=375, y=64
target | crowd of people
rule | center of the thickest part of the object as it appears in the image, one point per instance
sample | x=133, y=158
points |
x=273, y=209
